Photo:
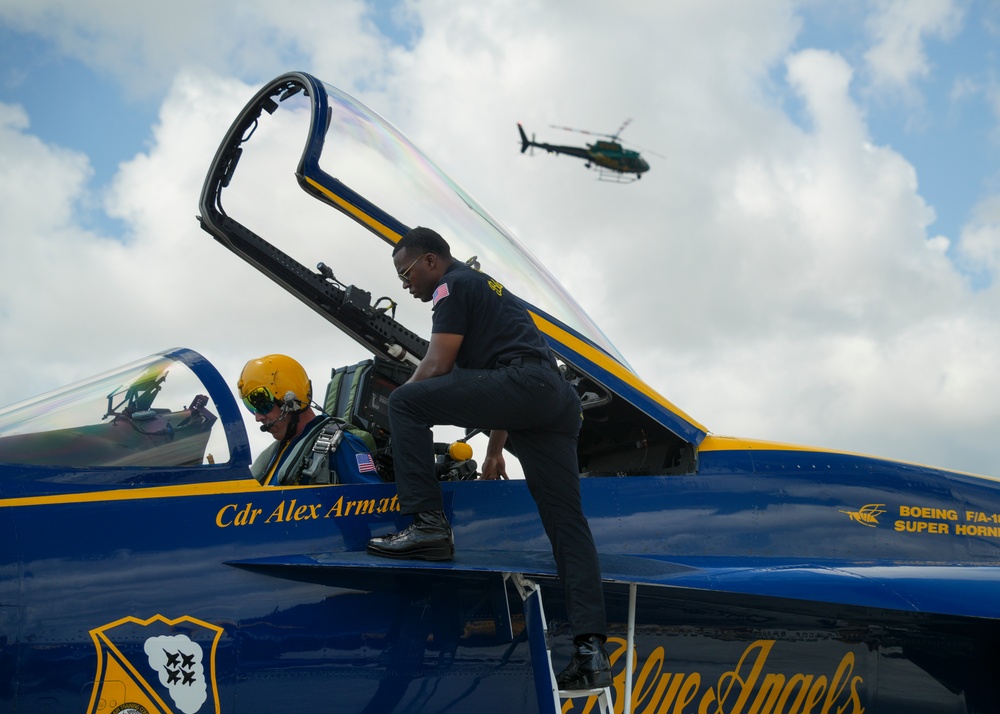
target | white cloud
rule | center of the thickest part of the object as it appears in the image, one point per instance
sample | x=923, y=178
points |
x=773, y=280
x=144, y=45
x=51, y=266
x=979, y=246
x=899, y=29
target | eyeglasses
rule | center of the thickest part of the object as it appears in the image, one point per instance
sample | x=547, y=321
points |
x=259, y=401
x=404, y=276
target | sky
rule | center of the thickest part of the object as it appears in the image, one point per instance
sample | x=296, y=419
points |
x=812, y=258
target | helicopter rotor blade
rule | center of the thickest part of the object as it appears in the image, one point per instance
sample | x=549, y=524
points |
x=641, y=149
x=649, y=151
x=613, y=137
x=644, y=150
x=580, y=131
x=622, y=127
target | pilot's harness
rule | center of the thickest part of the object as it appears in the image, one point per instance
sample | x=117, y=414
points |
x=316, y=466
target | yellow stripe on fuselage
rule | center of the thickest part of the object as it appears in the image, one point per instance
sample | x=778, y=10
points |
x=356, y=213
x=608, y=364
x=132, y=494
x=731, y=443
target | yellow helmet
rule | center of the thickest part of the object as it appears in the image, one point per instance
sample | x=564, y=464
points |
x=274, y=379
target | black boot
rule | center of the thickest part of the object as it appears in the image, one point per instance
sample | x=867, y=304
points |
x=428, y=538
x=589, y=668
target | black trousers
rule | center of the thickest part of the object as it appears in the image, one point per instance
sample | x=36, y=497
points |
x=541, y=413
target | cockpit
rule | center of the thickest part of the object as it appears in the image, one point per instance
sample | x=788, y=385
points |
x=154, y=412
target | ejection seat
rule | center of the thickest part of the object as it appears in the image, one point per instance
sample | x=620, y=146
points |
x=359, y=395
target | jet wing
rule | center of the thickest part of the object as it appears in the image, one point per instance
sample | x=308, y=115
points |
x=885, y=586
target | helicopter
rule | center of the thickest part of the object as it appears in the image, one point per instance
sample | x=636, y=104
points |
x=613, y=162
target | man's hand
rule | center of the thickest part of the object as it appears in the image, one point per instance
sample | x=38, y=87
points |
x=494, y=468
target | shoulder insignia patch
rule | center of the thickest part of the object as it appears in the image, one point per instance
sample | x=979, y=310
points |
x=440, y=293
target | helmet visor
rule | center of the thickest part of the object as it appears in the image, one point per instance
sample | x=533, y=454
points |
x=259, y=401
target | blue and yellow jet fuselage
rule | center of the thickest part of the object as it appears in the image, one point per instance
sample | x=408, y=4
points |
x=147, y=570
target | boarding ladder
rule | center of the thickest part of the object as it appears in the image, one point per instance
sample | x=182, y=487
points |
x=549, y=695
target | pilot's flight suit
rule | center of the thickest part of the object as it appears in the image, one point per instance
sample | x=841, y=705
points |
x=504, y=378
x=350, y=463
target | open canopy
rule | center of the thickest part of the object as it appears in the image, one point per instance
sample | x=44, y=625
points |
x=357, y=162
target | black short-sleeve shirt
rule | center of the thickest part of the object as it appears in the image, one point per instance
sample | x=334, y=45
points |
x=495, y=326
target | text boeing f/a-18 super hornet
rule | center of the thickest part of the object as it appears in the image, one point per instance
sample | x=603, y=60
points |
x=145, y=570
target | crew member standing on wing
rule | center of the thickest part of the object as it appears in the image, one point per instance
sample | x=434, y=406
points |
x=488, y=367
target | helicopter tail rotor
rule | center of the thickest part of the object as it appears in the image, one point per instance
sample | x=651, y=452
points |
x=525, y=144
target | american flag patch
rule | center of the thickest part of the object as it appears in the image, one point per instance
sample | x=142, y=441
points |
x=365, y=463
x=440, y=293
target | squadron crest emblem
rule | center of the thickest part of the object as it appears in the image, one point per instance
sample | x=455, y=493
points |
x=156, y=666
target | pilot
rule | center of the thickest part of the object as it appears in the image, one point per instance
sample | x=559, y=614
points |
x=488, y=366
x=308, y=447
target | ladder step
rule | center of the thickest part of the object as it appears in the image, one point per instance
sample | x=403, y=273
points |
x=603, y=695
x=549, y=695
x=546, y=689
